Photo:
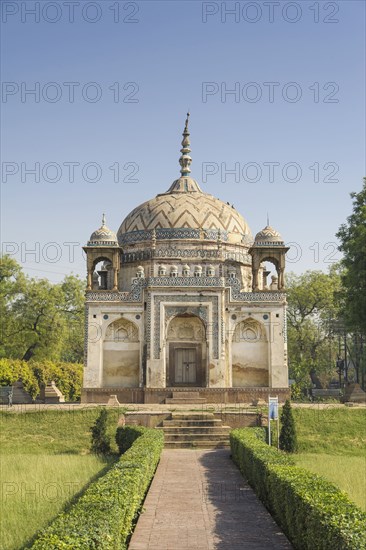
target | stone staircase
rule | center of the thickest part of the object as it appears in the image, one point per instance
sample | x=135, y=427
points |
x=185, y=398
x=195, y=430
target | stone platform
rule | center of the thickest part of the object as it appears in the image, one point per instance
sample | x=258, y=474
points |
x=160, y=395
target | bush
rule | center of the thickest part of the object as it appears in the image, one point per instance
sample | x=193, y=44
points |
x=254, y=461
x=126, y=435
x=35, y=374
x=100, y=443
x=311, y=511
x=103, y=517
x=288, y=439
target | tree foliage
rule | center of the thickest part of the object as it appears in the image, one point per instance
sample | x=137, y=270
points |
x=35, y=374
x=288, y=437
x=100, y=441
x=352, y=236
x=40, y=320
x=312, y=305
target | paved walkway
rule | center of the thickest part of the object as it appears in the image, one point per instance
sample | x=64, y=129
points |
x=199, y=500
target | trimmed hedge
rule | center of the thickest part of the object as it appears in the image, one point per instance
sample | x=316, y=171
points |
x=103, y=517
x=312, y=512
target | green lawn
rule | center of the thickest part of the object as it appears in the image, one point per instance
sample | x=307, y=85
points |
x=45, y=462
x=347, y=472
x=35, y=488
x=332, y=443
x=331, y=430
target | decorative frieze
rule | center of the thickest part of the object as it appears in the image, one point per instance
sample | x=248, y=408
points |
x=186, y=281
x=237, y=296
x=135, y=295
x=172, y=233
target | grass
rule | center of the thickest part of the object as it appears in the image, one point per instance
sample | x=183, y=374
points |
x=36, y=487
x=347, y=472
x=45, y=462
x=332, y=443
x=336, y=431
x=51, y=431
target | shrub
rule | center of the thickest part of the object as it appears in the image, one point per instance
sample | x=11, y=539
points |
x=253, y=462
x=34, y=374
x=100, y=443
x=288, y=439
x=311, y=511
x=103, y=517
x=126, y=435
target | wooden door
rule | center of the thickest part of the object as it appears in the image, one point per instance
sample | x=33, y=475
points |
x=185, y=366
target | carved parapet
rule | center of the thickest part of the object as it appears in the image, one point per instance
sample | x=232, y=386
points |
x=259, y=296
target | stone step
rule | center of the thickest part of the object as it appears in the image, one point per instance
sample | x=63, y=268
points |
x=189, y=423
x=192, y=416
x=185, y=394
x=197, y=437
x=222, y=444
x=185, y=401
x=194, y=429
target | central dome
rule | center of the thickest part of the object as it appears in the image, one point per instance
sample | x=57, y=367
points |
x=184, y=212
x=184, y=205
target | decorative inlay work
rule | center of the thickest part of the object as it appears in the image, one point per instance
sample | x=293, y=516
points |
x=173, y=311
x=134, y=236
x=173, y=252
x=86, y=334
x=171, y=298
x=269, y=243
x=237, y=296
x=135, y=295
x=103, y=243
x=284, y=328
x=186, y=281
x=177, y=233
x=237, y=257
x=138, y=255
x=148, y=324
x=172, y=233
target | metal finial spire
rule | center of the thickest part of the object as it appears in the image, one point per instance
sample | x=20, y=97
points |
x=185, y=160
x=267, y=219
x=103, y=219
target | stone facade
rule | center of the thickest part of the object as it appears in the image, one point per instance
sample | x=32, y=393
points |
x=181, y=300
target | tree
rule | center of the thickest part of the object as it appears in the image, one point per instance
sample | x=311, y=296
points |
x=352, y=236
x=312, y=304
x=40, y=320
x=100, y=443
x=288, y=438
x=12, y=285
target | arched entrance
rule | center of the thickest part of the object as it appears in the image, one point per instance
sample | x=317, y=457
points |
x=186, y=352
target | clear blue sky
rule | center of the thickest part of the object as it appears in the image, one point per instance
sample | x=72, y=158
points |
x=163, y=58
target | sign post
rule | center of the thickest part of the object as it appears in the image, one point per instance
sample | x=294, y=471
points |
x=272, y=415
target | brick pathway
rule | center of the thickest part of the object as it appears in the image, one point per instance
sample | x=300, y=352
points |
x=199, y=500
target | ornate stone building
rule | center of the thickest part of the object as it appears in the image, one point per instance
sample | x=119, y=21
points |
x=179, y=300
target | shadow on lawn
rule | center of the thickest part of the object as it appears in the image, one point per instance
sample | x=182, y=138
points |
x=110, y=461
